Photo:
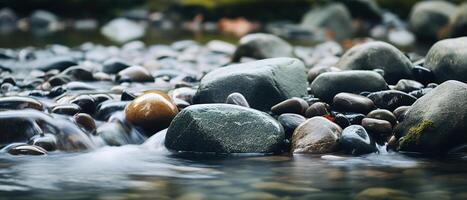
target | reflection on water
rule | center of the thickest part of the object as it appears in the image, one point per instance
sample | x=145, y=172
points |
x=137, y=171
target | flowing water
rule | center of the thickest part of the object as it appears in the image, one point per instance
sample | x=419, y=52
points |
x=139, y=171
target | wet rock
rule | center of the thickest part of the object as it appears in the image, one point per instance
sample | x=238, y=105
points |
x=391, y=99
x=134, y=74
x=316, y=71
x=262, y=46
x=290, y=121
x=355, y=140
x=152, y=111
x=122, y=30
x=224, y=128
x=436, y=123
x=378, y=55
x=333, y=18
x=328, y=84
x=114, y=65
x=316, y=135
x=114, y=134
x=400, y=112
x=428, y=18
x=382, y=193
x=42, y=20
x=24, y=149
x=354, y=118
x=85, y=121
x=317, y=109
x=406, y=85
x=46, y=141
x=364, y=9
x=18, y=103
x=79, y=73
x=54, y=63
x=421, y=92
x=447, y=60
x=293, y=105
x=58, y=80
x=263, y=83
x=237, y=99
x=107, y=108
x=183, y=93
x=353, y=103
x=342, y=120
x=383, y=115
x=86, y=102
x=66, y=109
x=459, y=21
x=377, y=126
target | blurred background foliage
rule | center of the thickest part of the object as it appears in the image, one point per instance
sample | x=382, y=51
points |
x=260, y=10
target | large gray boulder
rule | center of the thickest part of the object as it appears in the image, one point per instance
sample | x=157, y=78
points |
x=263, y=83
x=378, y=55
x=447, y=59
x=261, y=46
x=224, y=128
x=429, y=18
x=334, y=18
x=437, y=122
x=328, y=84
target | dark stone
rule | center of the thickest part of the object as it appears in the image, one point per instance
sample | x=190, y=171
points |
x=107, y=108
x=114, y=65
x=459, y=21
x=58, y=63
x=58, y=80
x=383, y=115
x=378, y=55
x=18, y=103
x=85, y=121
x=391, y=99
x=328, y=84
x=317, y=109
x=263, y=83
x=377, y=126
x=341, y=120
x=46, y=141
x=224, y=128
x=114, y=134
x=237, y=99
x=290, y=121
x=293, y=105
x=352, y=103
x=262, y=46
x=364, y=9
x=79, y=73
x=421, y=92
x=86, y=103
x=436, y=123
x=400, y=112
x=447, y=60
x=66, y=109
x=354, y=118
x=355, y=140
x=134, y=74
x=406, y=85
x=24, y=149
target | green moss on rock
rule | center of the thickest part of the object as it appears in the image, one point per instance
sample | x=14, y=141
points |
x=414, y=134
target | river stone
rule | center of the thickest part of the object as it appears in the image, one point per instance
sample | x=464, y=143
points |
x=316, y=135
x=377, y=55
x=317, y=109
x=459, y=21
x=290, y=121
x=46, y=141
x=59, y=63
x=353, y=103
x=237, y=99
x=391, y=99
x=328, y=84
x=429, y=18
x=18, y=103
x=263, y=83
x=447, y=59
x=382, y=194
x=261, y=46
x=293, y=105
x=364, y=9
x=114, y=65
x=134, y=74
x=384, y=115
x=436, y=122
x=335, y=18
x=152, y=111
x=24, y=149
x=355, y=140
x=406, y=85
x=224, y=128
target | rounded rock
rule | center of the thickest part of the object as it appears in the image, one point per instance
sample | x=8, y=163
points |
x=293, y=105
x=153, y=111
x=384, y=115
x=355, y=140
x=378, y=126
x=353, y=103
x=316, y=135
